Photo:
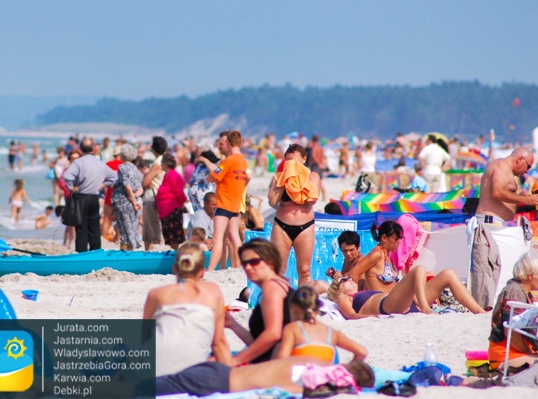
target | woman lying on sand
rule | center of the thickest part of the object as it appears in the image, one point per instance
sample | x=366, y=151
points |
x=378, y=273
x=306, y=336
x=354, y=304
x=189, y=316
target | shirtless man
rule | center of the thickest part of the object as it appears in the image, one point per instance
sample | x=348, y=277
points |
x=498, y=189
x=350, y=245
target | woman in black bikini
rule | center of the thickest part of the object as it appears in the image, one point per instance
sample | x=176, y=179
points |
x=294, y=222
x=262, y=263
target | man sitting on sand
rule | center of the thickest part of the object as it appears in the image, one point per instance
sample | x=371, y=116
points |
x=350, y=245
x=43, y=220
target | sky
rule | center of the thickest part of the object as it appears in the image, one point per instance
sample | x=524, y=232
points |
x=168, y=48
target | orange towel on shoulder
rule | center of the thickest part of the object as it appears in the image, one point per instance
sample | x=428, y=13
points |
x=296, y=179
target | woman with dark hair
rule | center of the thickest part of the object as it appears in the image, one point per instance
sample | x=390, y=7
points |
x=198, y=186
x=124, y=198
x=262, y=264
x=294, y=192
x=380, y=275
x=170, y=201
x=151, y=231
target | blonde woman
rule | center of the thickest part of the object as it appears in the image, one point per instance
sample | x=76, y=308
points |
x=189, y=316
x=522, y=350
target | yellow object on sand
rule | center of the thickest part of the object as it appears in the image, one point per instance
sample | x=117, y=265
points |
x=296, y=179
x=475, y=363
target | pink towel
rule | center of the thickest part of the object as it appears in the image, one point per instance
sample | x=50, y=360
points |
x=414, y=237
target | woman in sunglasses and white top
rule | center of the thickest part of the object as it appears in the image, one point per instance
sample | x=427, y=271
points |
x=262, y=264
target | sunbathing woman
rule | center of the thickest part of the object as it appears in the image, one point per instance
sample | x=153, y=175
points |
x=307, y=336
x=380, y=275
x=354, y=304
x=189, y=316
x=262, y=264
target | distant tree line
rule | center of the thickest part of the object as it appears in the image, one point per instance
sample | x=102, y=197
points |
x=466, y=108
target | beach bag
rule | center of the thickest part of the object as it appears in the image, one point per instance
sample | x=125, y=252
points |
x=72, y=215
x=51, y=174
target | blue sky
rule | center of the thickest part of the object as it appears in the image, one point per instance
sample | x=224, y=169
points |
x=163, y=48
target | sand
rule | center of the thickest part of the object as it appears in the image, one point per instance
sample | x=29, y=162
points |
x=392, y=342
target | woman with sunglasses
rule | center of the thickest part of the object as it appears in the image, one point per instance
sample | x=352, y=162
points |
x=262, y=264
x=355, y=304
x=378, y=273
x=189, y=316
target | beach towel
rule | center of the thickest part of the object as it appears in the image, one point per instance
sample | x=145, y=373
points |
x=331, y=308
x=295, y=178
x=414, y=237
x=485, y=266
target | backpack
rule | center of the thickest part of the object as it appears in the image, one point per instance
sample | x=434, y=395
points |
x=364, y=184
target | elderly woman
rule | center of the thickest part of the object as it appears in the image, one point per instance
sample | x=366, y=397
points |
x=355, y=304
x=126, y=206
x=378, y=273
x=189, y=316
x=262, y=264
x=170, y=201
x=294, y=217
x=522, y=349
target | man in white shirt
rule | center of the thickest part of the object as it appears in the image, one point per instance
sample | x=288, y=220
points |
x=204, y=217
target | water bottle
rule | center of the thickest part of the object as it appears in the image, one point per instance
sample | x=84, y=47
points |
x=430, y=357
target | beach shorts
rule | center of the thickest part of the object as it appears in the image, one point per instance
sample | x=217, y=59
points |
x=225, y=213
x=151, y=231
x=172, y=225
x=200, y=380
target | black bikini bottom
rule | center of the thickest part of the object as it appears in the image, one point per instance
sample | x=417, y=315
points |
x=293, y=231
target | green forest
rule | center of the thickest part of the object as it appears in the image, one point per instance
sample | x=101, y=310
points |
x=465, y=108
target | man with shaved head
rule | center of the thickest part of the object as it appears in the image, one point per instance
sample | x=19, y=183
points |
x=498, y=188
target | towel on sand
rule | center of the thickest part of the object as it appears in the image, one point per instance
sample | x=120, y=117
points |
x=295, y=178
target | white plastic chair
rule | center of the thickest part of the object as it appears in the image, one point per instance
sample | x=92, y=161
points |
x=518, y=324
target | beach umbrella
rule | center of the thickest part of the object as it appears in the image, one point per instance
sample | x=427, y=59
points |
x=438, y=136
x=4, y=246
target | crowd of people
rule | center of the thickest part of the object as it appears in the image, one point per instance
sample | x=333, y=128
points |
x=284, y=331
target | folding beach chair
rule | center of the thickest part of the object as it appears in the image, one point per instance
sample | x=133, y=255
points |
x=525, y=323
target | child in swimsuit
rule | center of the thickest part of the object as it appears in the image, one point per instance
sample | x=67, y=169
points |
x=306, y=336
x=17, y=196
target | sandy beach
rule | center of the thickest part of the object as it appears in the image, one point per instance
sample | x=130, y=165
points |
x=392, y=342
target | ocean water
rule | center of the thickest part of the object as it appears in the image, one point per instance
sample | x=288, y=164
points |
x=38, y=188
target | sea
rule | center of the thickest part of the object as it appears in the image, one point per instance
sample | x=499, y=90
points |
x=37, y=186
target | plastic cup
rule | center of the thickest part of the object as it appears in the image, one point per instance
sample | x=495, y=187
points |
x=30, y=294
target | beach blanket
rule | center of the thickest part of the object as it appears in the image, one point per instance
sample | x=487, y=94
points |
x=275, y=393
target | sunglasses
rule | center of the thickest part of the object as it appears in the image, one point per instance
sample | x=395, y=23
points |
x=529, y=166
x=343, y=279
x=252, y=262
